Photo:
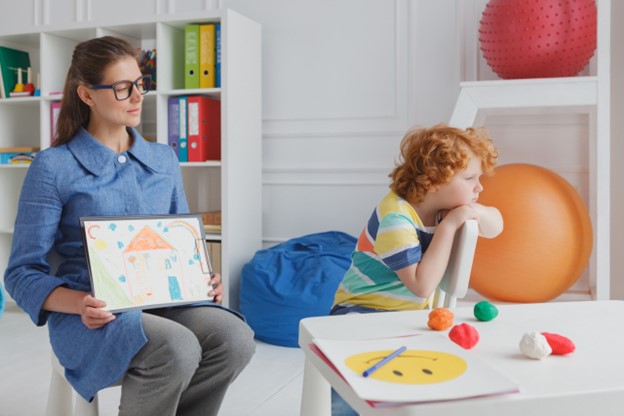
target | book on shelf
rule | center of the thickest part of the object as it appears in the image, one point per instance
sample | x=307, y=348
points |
x=207, y=52
x=55, y=109
x=191, y=56
x=173, y=126
x=214, y=251
x=12, y=61
x=17, y=155
x=212, y=219
x=204, y=129
x=15, y=94
x=218, y=55
x=182, y=122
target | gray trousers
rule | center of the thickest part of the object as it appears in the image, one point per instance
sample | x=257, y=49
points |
x=191, y=357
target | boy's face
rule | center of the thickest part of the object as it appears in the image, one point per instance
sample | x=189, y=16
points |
x=463, y=188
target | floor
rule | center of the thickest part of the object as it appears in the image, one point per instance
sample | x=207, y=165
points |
x=269, y=386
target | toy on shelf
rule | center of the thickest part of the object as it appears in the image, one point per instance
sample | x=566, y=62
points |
x=20, y=89
x=29, y=86
x=17, y=155
x=37, y=91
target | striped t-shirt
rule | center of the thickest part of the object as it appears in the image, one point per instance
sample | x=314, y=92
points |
x=394, y=238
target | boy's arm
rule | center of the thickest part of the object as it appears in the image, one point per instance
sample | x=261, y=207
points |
x=490, y=221
x=422, y=278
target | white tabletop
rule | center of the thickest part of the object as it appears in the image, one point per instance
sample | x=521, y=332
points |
x=588, y=381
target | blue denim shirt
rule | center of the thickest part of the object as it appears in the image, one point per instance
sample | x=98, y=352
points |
x=85, y=178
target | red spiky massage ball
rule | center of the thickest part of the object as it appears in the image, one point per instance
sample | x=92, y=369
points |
x=538, y=38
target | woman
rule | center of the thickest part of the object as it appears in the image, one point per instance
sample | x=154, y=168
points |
x=169, y=361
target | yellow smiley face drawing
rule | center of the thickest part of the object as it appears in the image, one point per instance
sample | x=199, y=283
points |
x=411, y=367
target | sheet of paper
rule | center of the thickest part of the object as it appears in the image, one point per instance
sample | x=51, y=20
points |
x=432, y=368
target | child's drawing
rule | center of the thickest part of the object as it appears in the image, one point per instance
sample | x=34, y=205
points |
x=147, y=261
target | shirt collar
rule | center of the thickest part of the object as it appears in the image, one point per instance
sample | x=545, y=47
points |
x=97, y=158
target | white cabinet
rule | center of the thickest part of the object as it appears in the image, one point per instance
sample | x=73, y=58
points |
x=587, y=95
x=232, y=185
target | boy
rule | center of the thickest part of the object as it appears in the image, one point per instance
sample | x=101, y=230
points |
x=403, y=251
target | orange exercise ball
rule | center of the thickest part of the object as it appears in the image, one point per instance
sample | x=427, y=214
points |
x=546, y=241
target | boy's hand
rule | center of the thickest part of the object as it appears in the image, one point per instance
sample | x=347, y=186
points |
x=458, y=216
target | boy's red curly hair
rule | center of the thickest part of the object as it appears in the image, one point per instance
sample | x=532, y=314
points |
x=431, y=156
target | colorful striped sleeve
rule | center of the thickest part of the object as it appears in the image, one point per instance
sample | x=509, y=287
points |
x=397, y=242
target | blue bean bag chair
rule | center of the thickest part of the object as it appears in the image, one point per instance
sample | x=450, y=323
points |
x=1, y=300
x=293, y=280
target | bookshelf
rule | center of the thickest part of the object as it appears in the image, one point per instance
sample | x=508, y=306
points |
x=232, y=185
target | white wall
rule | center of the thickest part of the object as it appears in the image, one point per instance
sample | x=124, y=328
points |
x=342, y=81
x=617, y=150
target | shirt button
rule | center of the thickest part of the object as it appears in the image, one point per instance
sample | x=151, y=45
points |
x=121, y=159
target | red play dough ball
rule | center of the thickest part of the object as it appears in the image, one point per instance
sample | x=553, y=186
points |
x=464, y=335
x=559, y=344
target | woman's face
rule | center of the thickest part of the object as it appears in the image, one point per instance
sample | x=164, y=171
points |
x=106, y=108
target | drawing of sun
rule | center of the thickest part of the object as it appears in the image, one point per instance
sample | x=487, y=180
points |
x=411, y=367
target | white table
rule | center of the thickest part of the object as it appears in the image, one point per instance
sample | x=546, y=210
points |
x=590, y=381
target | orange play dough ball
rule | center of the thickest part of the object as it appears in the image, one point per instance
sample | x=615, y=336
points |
x=547, y=237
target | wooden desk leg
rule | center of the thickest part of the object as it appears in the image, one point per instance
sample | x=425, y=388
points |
x=316, y=394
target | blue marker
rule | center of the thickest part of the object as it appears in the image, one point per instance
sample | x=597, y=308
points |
x=383, y=362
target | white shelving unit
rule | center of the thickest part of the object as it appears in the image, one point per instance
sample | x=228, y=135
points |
x=588, y=95
x=232, y=185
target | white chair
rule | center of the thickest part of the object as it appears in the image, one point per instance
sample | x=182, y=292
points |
x=61, y=396
x=315, y=398
x=454, y=284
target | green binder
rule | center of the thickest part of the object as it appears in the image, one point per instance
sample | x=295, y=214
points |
x=10, y=60
x=191, y=56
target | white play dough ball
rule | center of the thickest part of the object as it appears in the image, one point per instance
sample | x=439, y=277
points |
x=534, y=345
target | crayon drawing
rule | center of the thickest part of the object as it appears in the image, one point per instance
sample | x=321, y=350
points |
x=142, y=262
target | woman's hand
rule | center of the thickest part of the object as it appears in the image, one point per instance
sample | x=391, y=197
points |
x=217, y=288
x=81, y=303
x=92, y=314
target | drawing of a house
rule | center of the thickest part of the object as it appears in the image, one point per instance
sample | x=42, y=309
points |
x=153, y=270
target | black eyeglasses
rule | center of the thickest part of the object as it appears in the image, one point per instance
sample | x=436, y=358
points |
x=123, y=89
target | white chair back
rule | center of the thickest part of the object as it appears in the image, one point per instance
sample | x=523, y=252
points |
x=454, y=284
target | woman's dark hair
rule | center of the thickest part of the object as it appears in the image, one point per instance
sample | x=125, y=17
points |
x=89, y=61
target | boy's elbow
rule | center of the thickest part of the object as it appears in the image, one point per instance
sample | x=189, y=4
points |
x=490, y=233
x=493, y=227
x=423, y=290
